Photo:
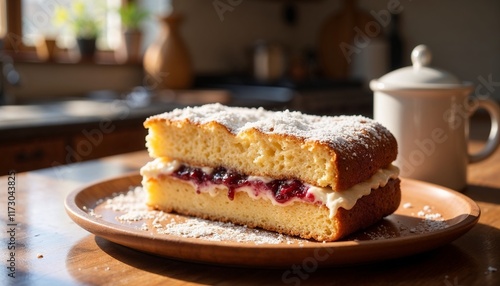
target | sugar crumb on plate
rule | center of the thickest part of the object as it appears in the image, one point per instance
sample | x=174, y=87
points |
x=491, y=269
x=407, y=205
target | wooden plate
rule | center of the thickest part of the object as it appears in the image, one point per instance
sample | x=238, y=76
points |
x=429, y=216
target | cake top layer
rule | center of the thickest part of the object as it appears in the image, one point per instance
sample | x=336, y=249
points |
x=336, y=131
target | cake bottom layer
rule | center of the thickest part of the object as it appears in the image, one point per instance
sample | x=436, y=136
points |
x=303, y=219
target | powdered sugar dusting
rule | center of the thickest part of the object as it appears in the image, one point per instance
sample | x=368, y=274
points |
x=431, y=220
x=426, y=219
x=221, y=231
x=130, y=208
x=337, y=131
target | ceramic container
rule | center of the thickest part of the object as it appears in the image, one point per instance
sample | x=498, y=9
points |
x=428, y=111
x=269, y=62
x=167, y=61
x=46, y=49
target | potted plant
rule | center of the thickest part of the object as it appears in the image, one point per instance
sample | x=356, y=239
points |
x=85, y=21
x=132, y=15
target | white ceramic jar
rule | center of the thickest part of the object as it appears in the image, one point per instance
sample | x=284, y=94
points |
x=428, y=111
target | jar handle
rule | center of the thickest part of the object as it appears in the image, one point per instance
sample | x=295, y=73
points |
x=494, y=137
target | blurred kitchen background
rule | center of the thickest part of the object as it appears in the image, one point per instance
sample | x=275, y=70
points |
x=61, y=103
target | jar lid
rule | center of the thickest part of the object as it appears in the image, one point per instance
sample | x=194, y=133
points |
x=418, y=76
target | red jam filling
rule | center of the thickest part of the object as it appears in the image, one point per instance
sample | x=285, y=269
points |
x=283, y=190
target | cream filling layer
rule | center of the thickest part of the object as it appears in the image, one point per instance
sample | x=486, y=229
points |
x=332, y=199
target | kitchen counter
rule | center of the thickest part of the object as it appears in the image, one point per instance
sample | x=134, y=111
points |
x=50, y=249
x=28, y=119
x=46, y=133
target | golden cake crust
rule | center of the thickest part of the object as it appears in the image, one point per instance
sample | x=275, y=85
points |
x=336, y=152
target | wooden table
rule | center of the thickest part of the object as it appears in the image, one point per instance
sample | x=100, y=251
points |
x=50, y=249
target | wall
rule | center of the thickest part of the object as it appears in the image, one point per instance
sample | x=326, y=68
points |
x=463, y=35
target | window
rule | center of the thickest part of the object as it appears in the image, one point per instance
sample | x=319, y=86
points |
x=29, y=20
x=38, y=15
